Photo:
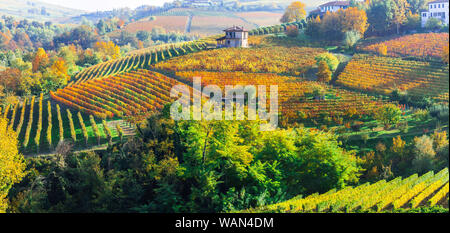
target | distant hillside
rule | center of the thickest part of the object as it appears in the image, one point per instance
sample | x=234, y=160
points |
x=218, y=6
x=35, y=10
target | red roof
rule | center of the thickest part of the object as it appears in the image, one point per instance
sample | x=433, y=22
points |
x=235, y=29
x=337, y=3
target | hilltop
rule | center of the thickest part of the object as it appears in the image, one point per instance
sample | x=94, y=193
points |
x=35, y=10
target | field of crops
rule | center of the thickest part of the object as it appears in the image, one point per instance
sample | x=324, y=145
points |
x=143, y=58
x=294, y=94
x=213, y=25
x=169, y=23
x=293, y=61
x=383, y=75
x=417, y=45
x=261, y=18
x=42, y=124
x=427, y=190
x=134, y=93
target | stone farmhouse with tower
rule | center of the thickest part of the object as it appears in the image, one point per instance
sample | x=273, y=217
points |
x=235, y=37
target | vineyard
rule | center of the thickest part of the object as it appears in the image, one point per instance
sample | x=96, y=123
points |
x=293, y=61
x=134, y=93
x=383, y=75
x=424, y=45
x=427, y=190
x=138, y=60
x=213, y=25
x=169, y=23
x=41, y=125
x=298, y=99
x=261, y=18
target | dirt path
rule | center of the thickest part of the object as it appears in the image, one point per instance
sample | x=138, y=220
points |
x=189, y=23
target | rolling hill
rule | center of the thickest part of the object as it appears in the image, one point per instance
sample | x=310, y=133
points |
x=35, y=10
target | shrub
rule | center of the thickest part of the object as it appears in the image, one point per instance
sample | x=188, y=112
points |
x=433, y=24
x=424, y=154
x=351, y=38
x=292, y=31
x=324, y=73
x=329, y=58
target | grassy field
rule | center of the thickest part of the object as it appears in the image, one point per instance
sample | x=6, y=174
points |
x=24, y=9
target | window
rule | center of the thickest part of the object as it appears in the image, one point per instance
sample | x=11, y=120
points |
x=424, y=15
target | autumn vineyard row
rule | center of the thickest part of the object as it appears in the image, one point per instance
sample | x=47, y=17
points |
x=293, y=61
x=383, y=75
x=33, y=122
x=297, y=97
x=421, y=45
x=129, y=94
x=143, y=59
x=427, y=190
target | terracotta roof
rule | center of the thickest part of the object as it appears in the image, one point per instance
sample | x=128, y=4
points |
x=235, y=29
x=336, y=3
x=438, y=1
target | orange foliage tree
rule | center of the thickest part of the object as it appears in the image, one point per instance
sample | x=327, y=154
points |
x=107, y=49
x=445, y=54
x=294, y=12
x=40, y=59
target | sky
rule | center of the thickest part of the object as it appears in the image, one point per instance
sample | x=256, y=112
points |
x=102, y=5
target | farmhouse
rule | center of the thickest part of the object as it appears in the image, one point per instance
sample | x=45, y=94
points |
x=235, y=37
x=436, y=9
x=329, y=6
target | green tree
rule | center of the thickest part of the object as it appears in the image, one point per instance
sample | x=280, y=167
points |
x=330, y=60
x=12, y=164
x=351, y=38
x=433, y=24
x=388, y=114
x=324, y=73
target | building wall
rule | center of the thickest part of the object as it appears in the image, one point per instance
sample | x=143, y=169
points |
x=331, y=8
x=236, y=39
x=436, y=10
x=237, y=35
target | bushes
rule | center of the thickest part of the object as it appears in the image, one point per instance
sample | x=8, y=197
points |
x=439, y=111
x=330, y=60
x=119, y=131
x=388, y=114
x=22, y=116
x=50, y=125
x=292, y=31
x=37, y=138
x=83, y=128
x=107, y=132
x=60, y=123
x=72, y=127
x=324, y=73
x=13, y=117
x=350, y=38
x=421, y=115
x=95, y=129
x=30, y=123
x=424, y=154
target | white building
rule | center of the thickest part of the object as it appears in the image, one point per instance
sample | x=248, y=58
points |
x=436, y=9
x=334, y=6
x=235, y=37
x=329, y=6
